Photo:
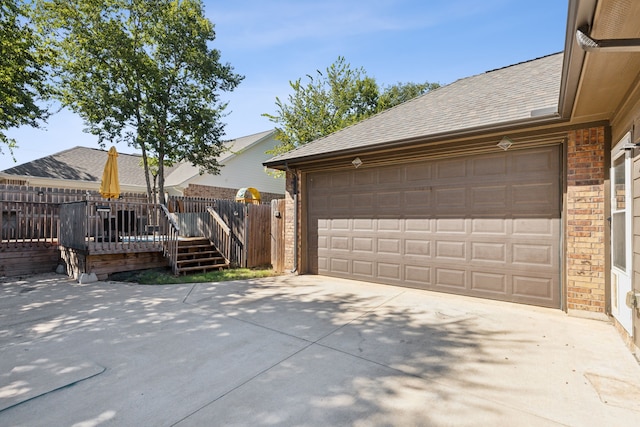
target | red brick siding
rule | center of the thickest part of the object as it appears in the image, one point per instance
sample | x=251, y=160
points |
x=209, y=192
x=585, y=223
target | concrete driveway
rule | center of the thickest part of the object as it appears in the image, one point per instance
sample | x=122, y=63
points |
x=301, y=351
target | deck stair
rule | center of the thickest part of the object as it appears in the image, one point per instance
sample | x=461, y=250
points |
x=198, y=255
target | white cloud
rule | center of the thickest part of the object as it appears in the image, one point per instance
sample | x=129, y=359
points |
x=260, y=24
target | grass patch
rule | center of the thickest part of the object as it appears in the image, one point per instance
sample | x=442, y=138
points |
x=165, y=277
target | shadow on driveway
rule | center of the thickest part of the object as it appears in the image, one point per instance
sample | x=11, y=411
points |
x=300, y=350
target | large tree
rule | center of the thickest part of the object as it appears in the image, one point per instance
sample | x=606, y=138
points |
x=402, y=92
x=22, y=75
x=333, y=100
x=141, y=71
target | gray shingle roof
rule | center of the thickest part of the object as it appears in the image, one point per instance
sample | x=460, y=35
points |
x=87, y=164
x=83, y=164
x=499, y=96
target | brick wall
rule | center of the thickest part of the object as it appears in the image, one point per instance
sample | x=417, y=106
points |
x=210, y=192
x=289, y=232
x=585, y=225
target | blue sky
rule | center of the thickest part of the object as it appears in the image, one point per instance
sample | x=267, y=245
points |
x=272, y=42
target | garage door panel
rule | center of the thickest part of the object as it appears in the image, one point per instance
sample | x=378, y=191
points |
x=538, y=161
x=322, y=264
x=493, y=252
x=482, y=281
x=447, y=199
x=389, y=224
x=339, y=224
x=389, y=246
x=320, y=182
x=364, y=225
x=390, y=175
x=318, y=203
x=420, y=247
x=420, y=225
x=448, y=170
x=339, y=265
x=366, y=177
x=534, y=197
x=491, y=226
x=451, y=278
x=340, y=179
x=338, y=243
x=389, y=271
x=364, y=268
x=534, y=227
x=492, y=197
x=389, y=200
x=451, y=225
x=529, y=287
x=418, y=199
x=364, y=244
x=489, y=165
x=418, y=275
x=323, y=242
x=527, y=254
x=339, y=202
x=450, y=250
x=486, y=226
x=363, y=202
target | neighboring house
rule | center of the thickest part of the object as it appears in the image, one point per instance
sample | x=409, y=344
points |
x=495, y=186
x=77, y=168
x=241, y=168
x=81, y=168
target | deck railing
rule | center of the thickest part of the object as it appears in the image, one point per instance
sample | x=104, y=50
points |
x=219, y=233
x=170, y=233
x=28, y=222
x=115, y=226
x=111, y=226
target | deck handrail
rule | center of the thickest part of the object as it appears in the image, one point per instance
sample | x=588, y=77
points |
x=220, y=234
x=29, y=223
x=170, y=247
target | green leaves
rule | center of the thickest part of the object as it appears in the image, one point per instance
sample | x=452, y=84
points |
x=22, y=74
x=141, y=71
x=334, y=100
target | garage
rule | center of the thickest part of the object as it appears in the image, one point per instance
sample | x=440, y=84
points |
x=486, y=225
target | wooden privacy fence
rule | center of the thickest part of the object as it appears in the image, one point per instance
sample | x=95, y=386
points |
x=258, y=235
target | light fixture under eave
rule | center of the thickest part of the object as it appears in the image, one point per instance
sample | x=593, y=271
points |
x=505, y=143
x=356, y=162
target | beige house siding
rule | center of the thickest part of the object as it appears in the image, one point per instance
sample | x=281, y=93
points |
x=245, y=170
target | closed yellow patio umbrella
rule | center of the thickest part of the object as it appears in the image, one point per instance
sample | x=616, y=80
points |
x=110, y=185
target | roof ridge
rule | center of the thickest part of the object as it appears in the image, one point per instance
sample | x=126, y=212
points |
x=481, y=100
x=519, y=63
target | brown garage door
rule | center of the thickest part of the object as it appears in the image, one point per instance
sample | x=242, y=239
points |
x=486, y=226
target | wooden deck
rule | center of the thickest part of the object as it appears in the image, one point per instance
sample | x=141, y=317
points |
x=108, y=236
